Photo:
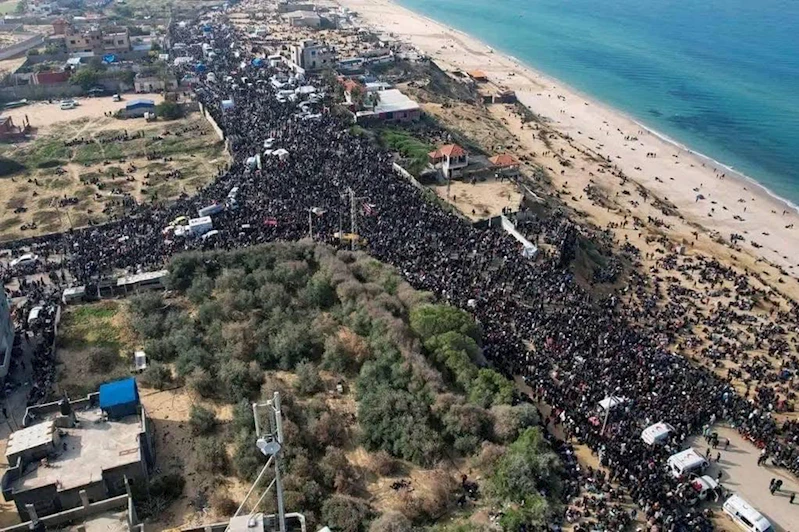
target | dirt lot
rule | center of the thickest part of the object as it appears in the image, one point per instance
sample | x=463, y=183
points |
x=81, y=165
x=483, y=199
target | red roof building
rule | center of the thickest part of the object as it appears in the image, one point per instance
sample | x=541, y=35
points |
x=451, y=158
x=504, y=160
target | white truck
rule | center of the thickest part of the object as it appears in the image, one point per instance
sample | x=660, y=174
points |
x=200, y=226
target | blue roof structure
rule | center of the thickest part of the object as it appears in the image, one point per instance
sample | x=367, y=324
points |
x=139, y=103
x=119, y=398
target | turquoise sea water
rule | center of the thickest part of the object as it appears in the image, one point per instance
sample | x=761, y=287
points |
x=719, y=76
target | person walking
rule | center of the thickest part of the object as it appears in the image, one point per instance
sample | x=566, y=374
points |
x=793, y=496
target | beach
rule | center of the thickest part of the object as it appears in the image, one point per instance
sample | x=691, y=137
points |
x=703, y=192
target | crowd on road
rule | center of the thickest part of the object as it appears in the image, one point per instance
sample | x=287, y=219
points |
x=572, y=349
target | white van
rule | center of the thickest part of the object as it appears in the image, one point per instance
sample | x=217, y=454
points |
x=686, y=462
x=745, y=516
x=657, y=434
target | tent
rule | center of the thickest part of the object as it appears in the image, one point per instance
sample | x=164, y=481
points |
x=119, y=398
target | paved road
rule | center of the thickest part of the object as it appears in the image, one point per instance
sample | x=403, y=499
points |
x=741, y=475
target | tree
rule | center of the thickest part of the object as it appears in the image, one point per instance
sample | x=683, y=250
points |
x=346, y=514
x=400, y=423
x=169, y=110
x=156, y=376
x=213, y=457
x=391, y=522
x=527, y=469
x=430, y=320
x=308, y=380
x=510, y=421
x=201, y=420
x=490, y=388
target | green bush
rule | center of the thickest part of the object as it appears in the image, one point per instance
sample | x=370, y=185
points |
x=431, y=320
x=247, y=459
x=346, y=514
x=400, y=423
x=528, y=467
x=201, y=420
x=510, y=421
x=169, y=110
x=11, y=167
x=308, y=380
x=102, y=359
x=156, y=376
x=490, y=388
x=212, y=454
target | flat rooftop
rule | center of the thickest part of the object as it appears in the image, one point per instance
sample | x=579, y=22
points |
x=391, y=101
x=92, y=446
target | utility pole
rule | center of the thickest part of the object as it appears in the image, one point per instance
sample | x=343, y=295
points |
x=270, y=445
x=354, y=215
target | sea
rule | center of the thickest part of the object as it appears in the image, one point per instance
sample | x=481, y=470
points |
x=720, y=77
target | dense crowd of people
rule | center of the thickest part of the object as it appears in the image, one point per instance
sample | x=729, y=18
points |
x=571, y=348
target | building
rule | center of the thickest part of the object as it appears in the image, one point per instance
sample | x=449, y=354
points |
x=60, y=26
x=505, y=163
x=116, y=40
x=137, y=108
x=303, y=19
x=389, y=106
x=6, y=331
x=311, y=55
x=112, y=40
x=257, y=522
x=117, y=514
x=49, y=78
x=85, y=41
x=154, y=83
x=76, y=453
x=450, y=159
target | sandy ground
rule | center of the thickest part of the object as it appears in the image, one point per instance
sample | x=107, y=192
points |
x=94, y=187
x=481, y=200
x=43, y=116
x=674, y=173
x=741, y=475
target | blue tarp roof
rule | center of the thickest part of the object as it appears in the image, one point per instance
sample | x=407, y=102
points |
x=137, y=103
x=118, y=393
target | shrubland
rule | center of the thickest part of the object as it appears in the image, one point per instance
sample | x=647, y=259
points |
x=366, y=367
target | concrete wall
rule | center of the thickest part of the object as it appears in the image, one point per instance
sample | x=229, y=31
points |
x=71, y=498
x=40, y=92
x=44, y=500
x=404, y=173
x=22, y=46
x=123, y=502
x=207, y=116
x=114, y=478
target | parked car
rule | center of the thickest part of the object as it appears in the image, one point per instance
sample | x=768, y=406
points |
x=22, y=260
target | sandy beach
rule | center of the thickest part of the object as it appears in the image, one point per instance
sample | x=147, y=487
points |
x=703, y=192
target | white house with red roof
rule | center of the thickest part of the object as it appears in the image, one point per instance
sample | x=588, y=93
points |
x=451, y=158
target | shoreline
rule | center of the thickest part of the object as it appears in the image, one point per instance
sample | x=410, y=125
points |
x=728, y=169
x=750, y=208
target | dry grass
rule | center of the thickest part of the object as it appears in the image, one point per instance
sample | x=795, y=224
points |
x=96, y=172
